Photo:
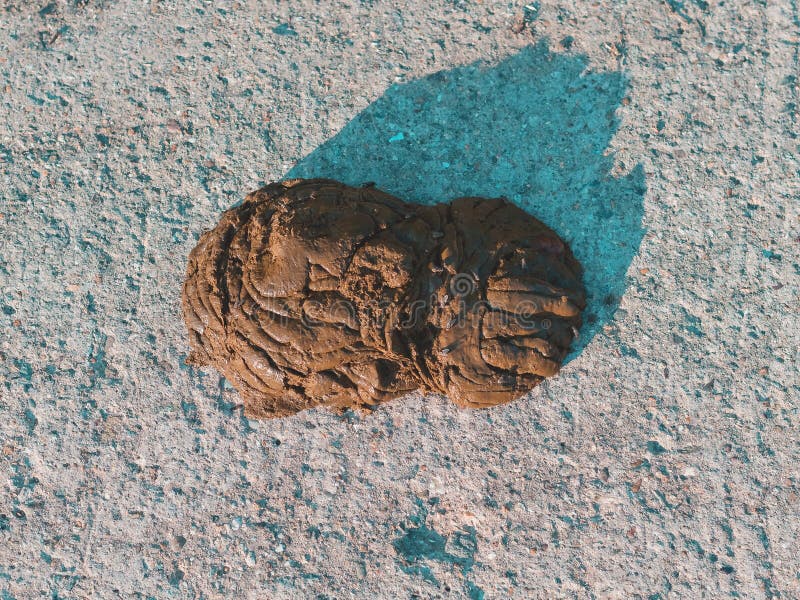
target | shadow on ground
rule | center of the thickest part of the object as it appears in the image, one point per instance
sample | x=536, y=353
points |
x=534, y=128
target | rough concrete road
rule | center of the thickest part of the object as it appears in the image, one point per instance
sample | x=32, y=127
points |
x=661, y=138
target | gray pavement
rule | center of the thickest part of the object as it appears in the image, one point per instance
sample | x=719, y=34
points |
x=660, y=138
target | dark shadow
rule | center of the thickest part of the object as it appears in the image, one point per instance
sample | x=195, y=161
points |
x=534, y=128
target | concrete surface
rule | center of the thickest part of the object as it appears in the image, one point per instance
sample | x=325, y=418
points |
x=660, y=137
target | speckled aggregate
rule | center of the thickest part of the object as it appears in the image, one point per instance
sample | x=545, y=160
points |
x=661, y=462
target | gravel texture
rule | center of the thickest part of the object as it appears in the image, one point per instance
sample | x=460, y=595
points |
x=659, y=138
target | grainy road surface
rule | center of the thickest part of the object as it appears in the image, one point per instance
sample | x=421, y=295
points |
x=661, y=138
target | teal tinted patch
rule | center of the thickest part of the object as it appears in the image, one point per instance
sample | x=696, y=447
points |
x=420, y=543
x=540, y=126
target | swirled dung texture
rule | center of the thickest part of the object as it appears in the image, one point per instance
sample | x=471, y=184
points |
x=314, y=293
